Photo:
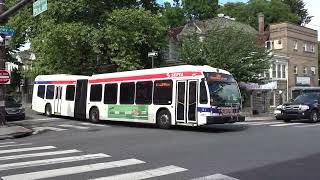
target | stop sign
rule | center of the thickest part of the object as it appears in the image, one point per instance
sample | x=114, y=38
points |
x=4, y=77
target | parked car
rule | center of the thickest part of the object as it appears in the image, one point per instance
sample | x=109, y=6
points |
x=14, y=110
x=278, y=112
x=305, y=106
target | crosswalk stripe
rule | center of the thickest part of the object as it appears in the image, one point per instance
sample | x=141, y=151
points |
x=48, y=128
x=310, y=125
x=215, y=177
x=36, y=120
x=285, y=124
x=265, y=123
x=38, y=154
x=26, y=149
x=51, y=161
x=73, y=170
x=12, y=145
x=7, y=143
x=73, y=126
x=145, y=174
x=91, y=124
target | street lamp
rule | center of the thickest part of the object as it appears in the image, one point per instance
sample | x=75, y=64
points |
x=152, y=55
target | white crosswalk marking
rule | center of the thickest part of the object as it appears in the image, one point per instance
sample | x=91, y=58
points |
x=73, y=170
x=12, y=145
x=52, y=153
x=91, y=124
x=73, y=126
x=309, y=125
x=215, y=177
x=51, y=161
x=7, y=143
x=145, y=174
x=48, y=128
x=285, y=124
x=26, y=149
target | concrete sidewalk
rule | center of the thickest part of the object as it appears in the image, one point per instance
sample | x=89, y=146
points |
x=13, y=131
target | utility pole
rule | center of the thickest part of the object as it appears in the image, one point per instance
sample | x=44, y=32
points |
x=4, y=16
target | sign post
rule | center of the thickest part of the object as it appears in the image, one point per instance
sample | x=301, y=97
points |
x=152, y=55
x=39, y=7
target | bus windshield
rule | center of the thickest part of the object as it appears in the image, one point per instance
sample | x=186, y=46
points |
x=223, y=90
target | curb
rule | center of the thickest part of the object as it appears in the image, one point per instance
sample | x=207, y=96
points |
x=16, y=135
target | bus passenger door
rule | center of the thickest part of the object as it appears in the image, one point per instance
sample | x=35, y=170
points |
x=57, y=100
x=181, y=100
x=192, y=101
x=80, y=105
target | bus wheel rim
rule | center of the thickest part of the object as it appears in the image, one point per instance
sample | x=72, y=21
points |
x=164, y=118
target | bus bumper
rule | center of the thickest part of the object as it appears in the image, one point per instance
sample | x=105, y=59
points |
x=224, y=119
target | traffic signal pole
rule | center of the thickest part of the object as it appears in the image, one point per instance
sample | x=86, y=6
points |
x=4, y=16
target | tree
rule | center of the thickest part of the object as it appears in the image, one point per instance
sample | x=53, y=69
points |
x=297, y=7
x=200, y=9
x=173, y=15
x=230, y=49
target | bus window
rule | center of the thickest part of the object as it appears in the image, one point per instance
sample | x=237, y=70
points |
x=41, y=90
x=50, y=92
x=96, y=93
x=203, y=93
x=110, y=93
x=144, y=92
x=70, y=93
x=162, y=92
x=127, y=93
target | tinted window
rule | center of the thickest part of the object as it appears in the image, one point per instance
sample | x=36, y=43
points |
x=144, y=92
x=41, y=90
x=127, y=93
x=162, y=92
x=50, y=92
x=96, y=93
x=110, y=93
x=70, y=93
x=203, y=93
x=306, y=99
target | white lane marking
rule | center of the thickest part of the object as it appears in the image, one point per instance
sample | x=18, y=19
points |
x=12, y=145
x=265, y=123
x=310, y=125
x=7, y=143
x=37, y=129
x=285, y=124
x=38, y=154
x=73, y=126
x=90, y=124
x=45, y=119
x=51, y=161
x=215, y=177
x=145, y=174
x=73, y=170
x=26, y=149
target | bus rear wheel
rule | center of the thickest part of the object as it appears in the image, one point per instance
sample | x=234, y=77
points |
x=94, y=115
x=48, y=110
x=164, y=119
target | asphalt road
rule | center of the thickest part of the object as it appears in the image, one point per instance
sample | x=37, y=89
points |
x=81, y=150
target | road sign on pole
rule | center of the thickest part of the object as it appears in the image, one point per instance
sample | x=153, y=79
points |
x=4, y=77
x=39, y=7
x=7, y=31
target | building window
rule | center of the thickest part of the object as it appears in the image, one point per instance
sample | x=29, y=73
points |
x=312, y=48
x=305, y=47
x=127, y=93
x=110, y=93
x=279, y=71
x=313, y=70
x=274, y=71
x=144, y=92
x=305, y=70
x=277, y=44
x=295, y=69
x=70, y=93
x=295, y=45
x=269, y=45
x=96, y=93
x=284, y=71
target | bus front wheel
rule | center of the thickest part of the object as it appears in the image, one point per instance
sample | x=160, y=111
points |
x=164, y=119
x=48, y=110
x=94, y=115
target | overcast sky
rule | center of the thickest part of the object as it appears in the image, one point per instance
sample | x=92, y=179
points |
x=313, y=7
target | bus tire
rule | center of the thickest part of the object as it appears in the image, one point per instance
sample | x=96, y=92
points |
x=48, y=110
x=94, y=115
x=164, y=119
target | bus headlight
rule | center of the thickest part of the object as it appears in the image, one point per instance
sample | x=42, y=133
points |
x=303, y=107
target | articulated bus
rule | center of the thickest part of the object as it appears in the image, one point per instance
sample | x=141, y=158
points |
x=180, y=95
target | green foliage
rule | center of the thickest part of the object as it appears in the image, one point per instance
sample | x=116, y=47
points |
x=230, y=49
x=200, y=9
x=16, y=77
x=297, y=7
x=275, y=11
x=173, y=16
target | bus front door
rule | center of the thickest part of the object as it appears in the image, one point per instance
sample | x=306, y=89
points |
x=186, y=101
x=57, y=100
x=81, y=99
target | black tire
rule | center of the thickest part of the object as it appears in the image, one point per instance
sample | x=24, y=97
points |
x=287, y=120
x=48, y=110
x=94, y=115
x=314, y=116
x=164, y=119
x=279, y=118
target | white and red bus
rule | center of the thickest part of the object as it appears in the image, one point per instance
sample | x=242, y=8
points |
x=180, y=95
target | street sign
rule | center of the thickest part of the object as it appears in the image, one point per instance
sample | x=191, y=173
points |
x=39, y=7
x=7, y=31
x=152, y=54
x=4, y=77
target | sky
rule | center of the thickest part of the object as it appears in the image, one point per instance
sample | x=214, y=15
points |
x=313, y=7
